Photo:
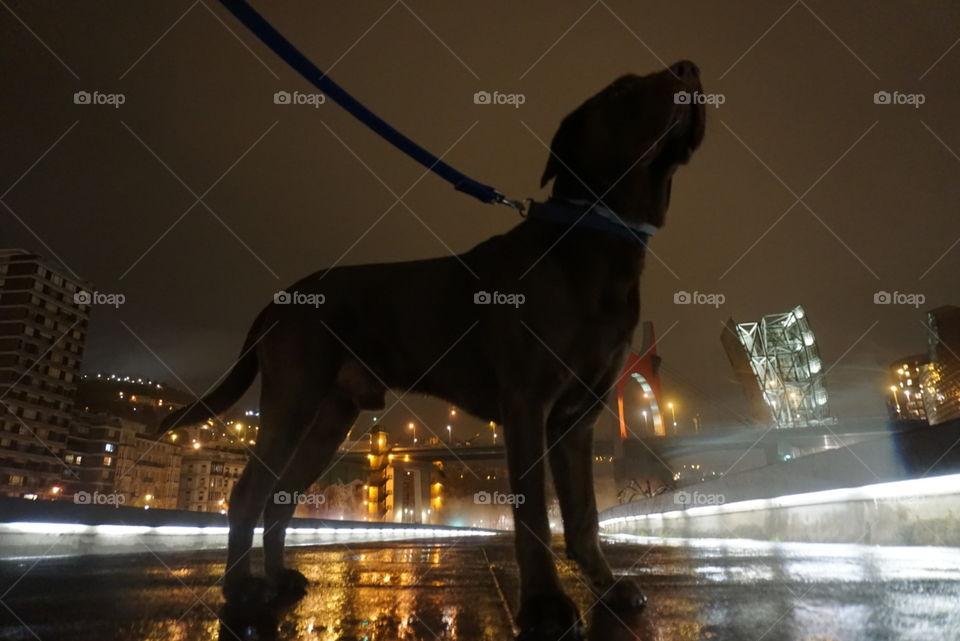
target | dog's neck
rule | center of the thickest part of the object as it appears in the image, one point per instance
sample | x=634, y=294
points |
x=593, y=207
x=585, y=213
x=628, y=198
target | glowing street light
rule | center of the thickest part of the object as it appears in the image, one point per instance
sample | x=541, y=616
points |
x=896, y=401
x=673, y=413
x=413, y=428
x=449, y=433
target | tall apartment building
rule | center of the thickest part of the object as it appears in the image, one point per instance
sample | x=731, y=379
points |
x=42, y=333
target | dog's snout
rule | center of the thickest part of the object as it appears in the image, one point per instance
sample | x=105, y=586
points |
x=686, y=70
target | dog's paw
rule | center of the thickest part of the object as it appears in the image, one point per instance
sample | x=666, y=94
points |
x=248, y=591
x=291, y=583
x=549, y=617
x=624, y=596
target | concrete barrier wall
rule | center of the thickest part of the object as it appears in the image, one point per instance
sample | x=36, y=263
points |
x=51, y=528
x=866, y=516
x=909, y=494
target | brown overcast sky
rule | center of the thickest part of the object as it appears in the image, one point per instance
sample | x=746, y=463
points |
x=292, y=188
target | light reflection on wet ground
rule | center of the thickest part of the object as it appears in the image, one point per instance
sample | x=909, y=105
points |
x=444, y=590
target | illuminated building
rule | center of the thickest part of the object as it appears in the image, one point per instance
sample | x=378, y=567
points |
x=43, y=327
x=782, y=353
x=906, y=394
x=112, y=455
x=940, y=378
x=207, y=477
x=402, y=489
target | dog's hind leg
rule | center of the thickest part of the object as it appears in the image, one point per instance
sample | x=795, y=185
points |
x=570, y=438
x=286, y=411
x=545, y=611
x=314, y=453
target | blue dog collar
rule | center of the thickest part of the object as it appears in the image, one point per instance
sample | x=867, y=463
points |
x=587, y=214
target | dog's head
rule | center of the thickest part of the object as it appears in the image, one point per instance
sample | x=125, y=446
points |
x=623, y=144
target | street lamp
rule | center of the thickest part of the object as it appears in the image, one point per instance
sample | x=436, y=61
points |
x=413, y=428
x=449, y=433
x=896, y=401
x=673, y=413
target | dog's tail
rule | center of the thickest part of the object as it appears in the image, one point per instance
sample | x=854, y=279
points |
x=228, y=392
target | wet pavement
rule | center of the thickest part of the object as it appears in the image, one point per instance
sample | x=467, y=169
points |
x=445, y=590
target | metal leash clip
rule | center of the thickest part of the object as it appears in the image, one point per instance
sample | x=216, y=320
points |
x=520, y=205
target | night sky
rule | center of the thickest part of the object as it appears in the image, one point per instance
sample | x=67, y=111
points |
x=288, y=189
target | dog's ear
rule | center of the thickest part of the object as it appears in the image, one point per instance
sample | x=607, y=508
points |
x=564, y=144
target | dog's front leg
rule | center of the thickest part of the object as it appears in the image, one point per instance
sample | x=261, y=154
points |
x=570, y=438
x=545, y=611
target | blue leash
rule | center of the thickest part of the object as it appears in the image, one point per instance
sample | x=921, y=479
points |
x=289, y=53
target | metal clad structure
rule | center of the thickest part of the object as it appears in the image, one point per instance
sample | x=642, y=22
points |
x=785, y=360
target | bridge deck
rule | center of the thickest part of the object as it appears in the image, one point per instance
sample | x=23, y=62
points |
x=430, y=591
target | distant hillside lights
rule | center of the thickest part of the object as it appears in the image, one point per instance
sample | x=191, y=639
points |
x=122, y=379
